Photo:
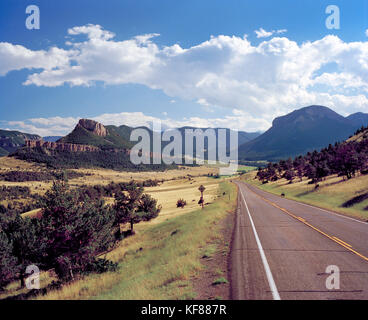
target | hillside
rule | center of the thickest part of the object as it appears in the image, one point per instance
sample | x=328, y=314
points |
x=89, y=145
x=359, y=119
x=298, y=132
x=335, y=178
x=360, y=135
x=89, y=132
x=12, y=140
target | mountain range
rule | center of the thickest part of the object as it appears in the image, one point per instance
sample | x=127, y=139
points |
x=296, y=133
x=10, y=141
x=306, y=129
x=89, y=132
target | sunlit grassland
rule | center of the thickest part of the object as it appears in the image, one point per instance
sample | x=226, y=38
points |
x=160, y=261
x=330, y=194
x=99, y=176
x=242, y=168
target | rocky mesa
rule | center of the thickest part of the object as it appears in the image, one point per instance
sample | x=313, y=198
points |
x=93, y=126
x=60, y=146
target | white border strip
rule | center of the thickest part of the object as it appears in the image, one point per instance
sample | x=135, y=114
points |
x=341, y=215
x=271, y=282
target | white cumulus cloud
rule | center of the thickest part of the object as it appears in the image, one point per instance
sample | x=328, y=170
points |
x=262, y=33
x=262, y=81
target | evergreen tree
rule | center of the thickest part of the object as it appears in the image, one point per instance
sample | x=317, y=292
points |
x=132, y=206
x=8, y=263
x=76, y=230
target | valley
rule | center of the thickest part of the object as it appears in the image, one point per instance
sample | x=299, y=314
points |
x=164, y=257
x=177, y=250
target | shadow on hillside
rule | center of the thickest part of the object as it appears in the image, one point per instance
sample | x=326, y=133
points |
x=355, y=200
x=318, y=188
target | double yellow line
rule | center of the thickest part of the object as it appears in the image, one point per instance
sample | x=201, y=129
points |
x=335, y=239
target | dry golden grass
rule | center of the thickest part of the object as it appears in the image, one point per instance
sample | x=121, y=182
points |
x=359, y=137
x=105, y=176
x=98, y=176
x=168, y=192
x=10, y=163
x=14, y=288
x=160, y=261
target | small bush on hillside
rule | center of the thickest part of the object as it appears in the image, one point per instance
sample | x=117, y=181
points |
x=181, y=203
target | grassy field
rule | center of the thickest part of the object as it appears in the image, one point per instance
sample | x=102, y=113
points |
x=331, y=194
x=162, y=260
x=99, y=176
x=246, y=168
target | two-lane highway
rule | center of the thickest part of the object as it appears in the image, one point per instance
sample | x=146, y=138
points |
x=281, y=249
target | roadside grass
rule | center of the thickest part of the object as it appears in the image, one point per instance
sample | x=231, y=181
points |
x=14, y=288
x=161, y=260
x=209, y=251
x=220, y=280
x=330, y=194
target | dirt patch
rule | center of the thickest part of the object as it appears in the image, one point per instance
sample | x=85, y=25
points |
x=213, y=282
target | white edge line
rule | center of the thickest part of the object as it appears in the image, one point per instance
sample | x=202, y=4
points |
x=271, y=282
x=331, y=212
x=314, y=207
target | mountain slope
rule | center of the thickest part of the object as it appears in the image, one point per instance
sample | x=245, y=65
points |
x=119, y=137
x=359, y=119
x=89, y=132
x=3, y=152
x=12, y=140
x=298, y=132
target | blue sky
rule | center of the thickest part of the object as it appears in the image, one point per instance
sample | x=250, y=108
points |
x=210, y=74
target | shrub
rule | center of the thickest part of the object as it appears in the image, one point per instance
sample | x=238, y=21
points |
x=219, y=281
x=181, y=203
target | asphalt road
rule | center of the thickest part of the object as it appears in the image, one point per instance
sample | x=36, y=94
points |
x=281, y=250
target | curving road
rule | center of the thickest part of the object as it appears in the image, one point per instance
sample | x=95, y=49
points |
x=281, y=249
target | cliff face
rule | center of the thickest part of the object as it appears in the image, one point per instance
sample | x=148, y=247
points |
x=10, y=141
x=60, y=146
x=70, y=147
x=93, y=126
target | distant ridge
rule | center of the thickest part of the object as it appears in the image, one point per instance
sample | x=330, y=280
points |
x=10, y=141
x=51, y=138
x=298, y=132
x=359, y=119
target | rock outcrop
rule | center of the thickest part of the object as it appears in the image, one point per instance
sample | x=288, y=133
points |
x=93, y=126
x=60, y=146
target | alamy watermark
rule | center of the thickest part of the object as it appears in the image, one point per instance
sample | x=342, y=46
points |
x=33, y=280
x=333, y=20
x=187, y=146
x=33, y=18
x=333, y=280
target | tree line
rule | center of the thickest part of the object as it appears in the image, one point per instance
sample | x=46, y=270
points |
x=73, y=230
x=107, y=159
x=24, y=176
x=344, y=159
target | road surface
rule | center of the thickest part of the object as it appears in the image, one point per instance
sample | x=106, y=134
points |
x=281, y=250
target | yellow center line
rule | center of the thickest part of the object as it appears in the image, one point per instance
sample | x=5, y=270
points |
x=338, y=239
x=335, y=239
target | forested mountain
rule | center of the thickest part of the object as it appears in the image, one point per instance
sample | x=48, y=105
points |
x=298, y=132
x=359, y=119
x=344, y=159
x=12, y=140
